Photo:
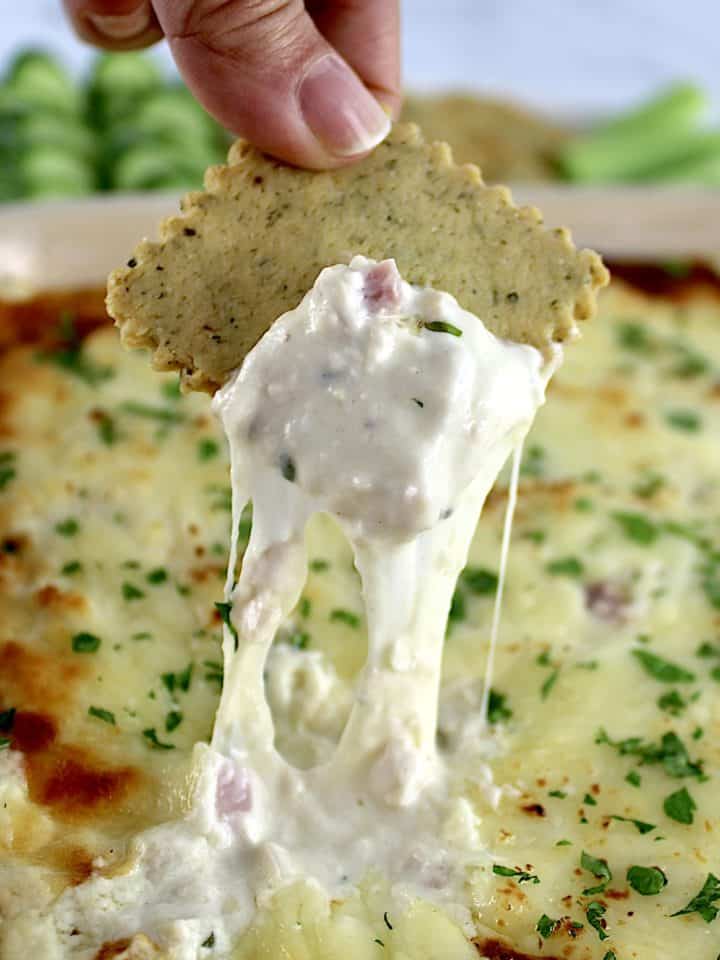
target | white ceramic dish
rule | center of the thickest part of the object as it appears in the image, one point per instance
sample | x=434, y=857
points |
x=60, y=244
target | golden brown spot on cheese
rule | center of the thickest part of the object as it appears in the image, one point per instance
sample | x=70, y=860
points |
x=52, y=596
x=635, y=419
x=35, y=680
x=36, y=320
x=534, y=809
x=496, y=950
x=110, y=950
x=76, y=784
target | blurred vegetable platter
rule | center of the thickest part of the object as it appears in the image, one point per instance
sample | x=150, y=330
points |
x=125, y=127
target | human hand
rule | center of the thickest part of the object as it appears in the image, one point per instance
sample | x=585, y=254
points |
x=301, y=80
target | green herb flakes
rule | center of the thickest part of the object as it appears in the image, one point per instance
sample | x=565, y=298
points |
x=319, y=566
x=207, y=449
x=680, y=806
x=521, y=876
x=634, y=778
x=670, y=752
x=640, y=825
x=173, y=720
x=498, y=710
x=599, y=869
x=8, y=469
x=131, y=592
x=546, y=926
x=180, y=681
x=101, y=714
x=634, y=336
x=458, y=607
x=703, y=903
x=345, y=616
x=225, y=609
x=156, y=576
x=650, y=484
x=590, y=800
x=547, y=687
x=647, y=881
x=300, y=639
x=213, y=672
x=71, y=358
x=686, y=420
x=146, y=411
x=595, y=913
x=85, y=643
x=637, y=527
x=566, y=567
x=672, y=702
x=71, y=568
x=287, y=467
x=662, y=670
x=558, y=794
x=441, y=326
x=152, y=738
x=479, y=581
x=533, y=462
x=304, y=607
x=68, y=527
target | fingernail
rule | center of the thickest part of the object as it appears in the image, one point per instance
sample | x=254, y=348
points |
x=122, y=26
x=344, y=117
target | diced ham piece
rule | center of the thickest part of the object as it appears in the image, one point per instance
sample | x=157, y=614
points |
x=383, y=285
x=608, y=600
x=234, y=790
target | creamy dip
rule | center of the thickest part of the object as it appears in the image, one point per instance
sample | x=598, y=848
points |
x=391, y=409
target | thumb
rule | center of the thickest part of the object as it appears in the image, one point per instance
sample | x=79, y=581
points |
x=264, y=70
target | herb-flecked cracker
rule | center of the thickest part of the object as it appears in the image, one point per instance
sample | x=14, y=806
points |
x=248, y=247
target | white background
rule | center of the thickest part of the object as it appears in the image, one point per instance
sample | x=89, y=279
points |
x=568, y=55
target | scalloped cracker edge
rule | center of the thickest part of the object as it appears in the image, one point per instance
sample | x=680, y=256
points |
x=249, y=247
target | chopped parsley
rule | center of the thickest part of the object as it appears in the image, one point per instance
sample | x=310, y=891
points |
x=441, y=326
x=458, y=607
x=225, y=609
x=595, y=913
x=551, y=680
x=670, y=752
x=703, y=903
x=152, y=738
x=158, y=575
x=680, y=806
x=106, y=427
x=599, y=869
x=672, y=702
x=637, y=527
x=480, y=581
x=171, y=390
x=649, y=485
x=68, y=527
x=546, y=926
x=387, y=921
x=70, y=356
x=584, y=505
x=179, y=681
x=7, y=468
x=634, y=336
x=663, y=670
x=560, y=794
x=209, y=941
x=498, y=710
x=71, y=568
x=173, y=720
x=287, y=467
x=149, y=412
x=245, y=525
x=520, y=875
x=533, y=462
x=566, y=567
x=686, y=420
x=345, y=616
x=319, y=566
x=85, y=643
x=590, y=800
x=634, y=778
x=647, y=881
x=640, y=825
x=131, y=592
x=213, y=672
x=610, y=955
x=300, y=639
x=304, y=607
x=207, y=449
x=101, y=714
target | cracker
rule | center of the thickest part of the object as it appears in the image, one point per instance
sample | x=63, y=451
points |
x=506, y=141
x=248, y=248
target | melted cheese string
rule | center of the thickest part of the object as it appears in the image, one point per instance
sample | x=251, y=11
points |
x=502, y=571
